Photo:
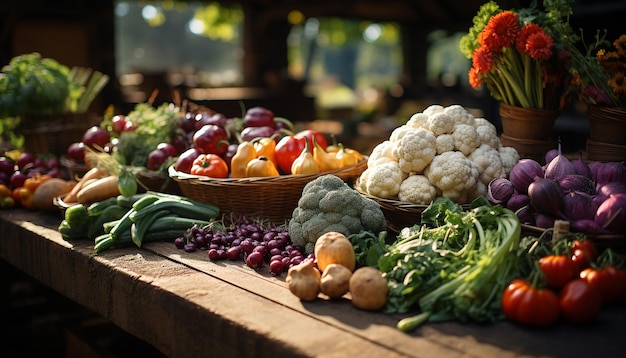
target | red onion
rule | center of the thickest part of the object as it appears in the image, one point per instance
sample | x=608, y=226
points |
x=577, y=182
x=609, y=172
x=612, y=188
x=578, y=206
x=587, y=226
x=499, y=190
x=598, y=199
x=525, y=215
x=581, y=167
x=551, y=154
x=611, y=214
x=546, y=196
x=523, y=173
x=544, y=221
x=559, y=166
x=517, y=201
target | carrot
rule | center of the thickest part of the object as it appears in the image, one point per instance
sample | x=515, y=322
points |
x=98, y=190
x=93, y=173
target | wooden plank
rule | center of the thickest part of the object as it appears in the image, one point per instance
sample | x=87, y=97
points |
x=186, y=305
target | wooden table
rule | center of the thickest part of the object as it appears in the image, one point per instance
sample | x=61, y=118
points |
x=187, y=306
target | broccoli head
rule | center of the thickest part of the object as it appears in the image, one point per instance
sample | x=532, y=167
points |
x=328, y=204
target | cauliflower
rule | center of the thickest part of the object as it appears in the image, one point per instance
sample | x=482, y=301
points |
x=417, y=189
x=415, y=150
x=418, y=120
x=454, y=174
x=382, y=181
x=489, y=136
x=509, y=157
x=329, y=204
x=440, y=123
x=432, y=109
x=466, y=138
x=382, y=153
x=481, y=121
x=445, y=143
x=459, y=114
x=489, y=163
x=399, y=132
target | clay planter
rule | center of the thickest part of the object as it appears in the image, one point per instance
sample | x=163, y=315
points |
x=527, y=123
x=607, y=125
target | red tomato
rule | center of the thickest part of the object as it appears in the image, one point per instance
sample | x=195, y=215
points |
x=185, y=160
x=287, y=150
x=211, y=139
x=557, y=269
x=610, y=281
x=309, y=134
x=580, y=302
x=210, y=165
x=528, y=305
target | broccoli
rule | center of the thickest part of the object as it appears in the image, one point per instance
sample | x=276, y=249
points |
x=329, y=204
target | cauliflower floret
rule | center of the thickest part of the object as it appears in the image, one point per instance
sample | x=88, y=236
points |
x=382, y=153
x=440, y=123
x=417, y=189
x=481, y=121
x=459, y=114
x=489, y=136
x=397, y=134
x=445, y=143
x=489, y=163
x=509, y=157
x=383, y=181
x=466, y=138
x=432, y=109
x=415, y=150
x=454, y=174
x=418, y=120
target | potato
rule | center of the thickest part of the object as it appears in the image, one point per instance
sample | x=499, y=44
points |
x=44, y=195
x=368, y=288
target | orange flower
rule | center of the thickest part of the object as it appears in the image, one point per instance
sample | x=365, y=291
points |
x=524, y=34
x=474, y=78
x=483, y=59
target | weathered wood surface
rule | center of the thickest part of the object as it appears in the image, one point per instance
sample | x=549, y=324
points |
x=187, y=306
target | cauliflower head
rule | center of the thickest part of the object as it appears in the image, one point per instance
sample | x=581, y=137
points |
x=466, y=138
x=382, y=181
x=445, y=143
x=417, y=189
x=329, y=204
x=440, y=123
x=509, y=156
x=415, y=150
x=489, y=163
x=488, y=135
x=418, y=120
x=459, y=114
x=382, y=153
x=454, y=174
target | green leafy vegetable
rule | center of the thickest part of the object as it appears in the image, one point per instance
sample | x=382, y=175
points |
x=457, y=269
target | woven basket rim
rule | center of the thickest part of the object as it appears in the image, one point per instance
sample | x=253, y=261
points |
x=181, y=176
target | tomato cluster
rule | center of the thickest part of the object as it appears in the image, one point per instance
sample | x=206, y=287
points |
x=574, y=284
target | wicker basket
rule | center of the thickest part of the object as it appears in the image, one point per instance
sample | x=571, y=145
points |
x=54, y=134
x=616, y=242
x=272, y=198
x=157, y=181
x=399, y=214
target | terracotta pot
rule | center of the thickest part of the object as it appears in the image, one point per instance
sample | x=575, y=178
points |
x=607, y=125
x=527, y=123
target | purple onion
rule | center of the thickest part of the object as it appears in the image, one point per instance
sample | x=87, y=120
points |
x=499, y=190
x=581, y=167
x=517, y=201
x=544, y=221
x=577, y=182
x=551, y=154
x=524, y=173
x=578, y=206
x=611, y=214
x=546, y=196
x=598, y=199
x=612, y=188
x=525, y=215
x=608, y=172
x=559, y=167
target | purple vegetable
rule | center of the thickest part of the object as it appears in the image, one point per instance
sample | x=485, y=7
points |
x=577, y=182
x=546, y=196
x=499, y=190
x=544, y=221
x=581, y=167
x=525, y=215
x=611, y=214
x=250, y=133
x=559, y=167
x=587, y=226
x=551, y=154
x=517, y=201
x=578, y=206
x=598, y=199
x=612, y=188
x=608, y=172
x=524, y=173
